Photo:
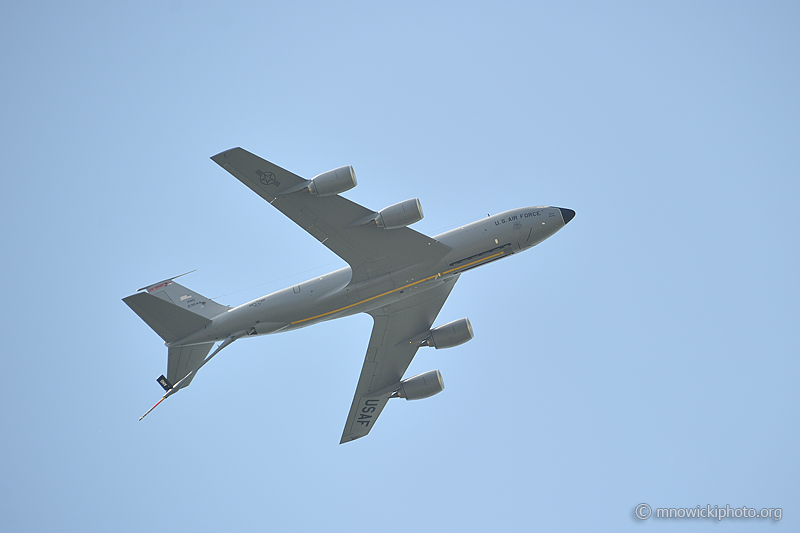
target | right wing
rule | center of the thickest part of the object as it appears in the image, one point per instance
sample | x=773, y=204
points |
x=333, y=220
x=389, y=354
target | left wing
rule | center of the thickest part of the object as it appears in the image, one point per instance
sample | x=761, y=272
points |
x=333, y=220
x=389, y=354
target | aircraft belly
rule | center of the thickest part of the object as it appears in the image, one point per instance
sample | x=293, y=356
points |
x=331, y=296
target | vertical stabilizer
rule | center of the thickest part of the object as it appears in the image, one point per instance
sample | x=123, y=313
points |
x=177, y=294
x=170, y=321
x=172, y=310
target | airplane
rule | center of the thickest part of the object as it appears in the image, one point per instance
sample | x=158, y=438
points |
x=397, y=275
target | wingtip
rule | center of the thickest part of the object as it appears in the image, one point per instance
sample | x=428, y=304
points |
x=220, y=157
x=349, y=438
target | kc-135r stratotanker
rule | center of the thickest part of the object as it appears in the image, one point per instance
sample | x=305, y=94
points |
x=399, y=276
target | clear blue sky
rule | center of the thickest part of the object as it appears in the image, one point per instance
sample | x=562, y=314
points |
x=646, y=353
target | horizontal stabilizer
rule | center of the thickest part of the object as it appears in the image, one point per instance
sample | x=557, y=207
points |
x=170, y=321
x=184, y=359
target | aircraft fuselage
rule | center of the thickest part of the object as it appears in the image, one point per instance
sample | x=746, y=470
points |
x=331, y=295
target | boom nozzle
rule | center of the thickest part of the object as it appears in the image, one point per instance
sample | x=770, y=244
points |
x=156, y=405
x=164, y=382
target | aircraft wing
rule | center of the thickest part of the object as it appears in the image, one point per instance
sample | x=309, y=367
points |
x=333, y=220
x=389, y=354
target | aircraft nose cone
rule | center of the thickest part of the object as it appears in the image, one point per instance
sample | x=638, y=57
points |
x=566, y=214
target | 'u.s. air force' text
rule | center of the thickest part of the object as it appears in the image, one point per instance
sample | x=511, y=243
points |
x=527, y=214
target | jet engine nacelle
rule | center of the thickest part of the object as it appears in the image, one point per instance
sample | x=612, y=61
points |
x=451, y=334
x=400, y=215
x=421, y=386
x=334, y=181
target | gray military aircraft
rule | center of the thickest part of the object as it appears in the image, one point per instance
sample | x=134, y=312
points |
x=399, y=276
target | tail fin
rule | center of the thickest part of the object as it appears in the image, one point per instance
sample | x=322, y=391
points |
x=179, y=295
x=172, y=310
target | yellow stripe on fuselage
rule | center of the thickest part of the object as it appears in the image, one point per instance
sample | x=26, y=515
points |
x=399, y=288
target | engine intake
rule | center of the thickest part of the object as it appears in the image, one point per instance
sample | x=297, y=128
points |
x=400, y=215
x=334, y=181
x=421, y=386
x=450, y=334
